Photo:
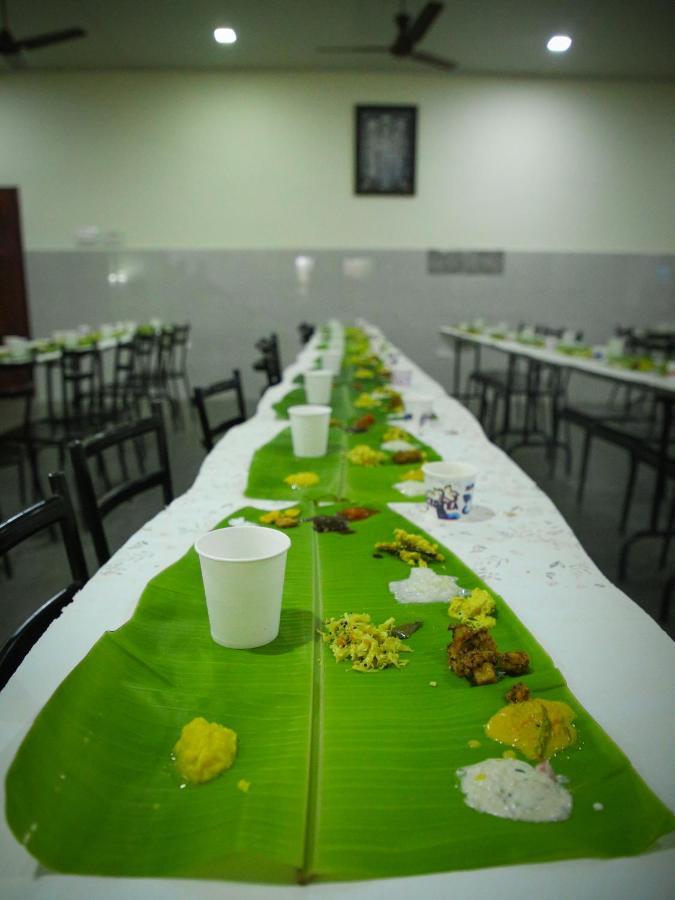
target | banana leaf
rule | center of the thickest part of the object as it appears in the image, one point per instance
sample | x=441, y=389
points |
x=338, y=477
x=352, y=775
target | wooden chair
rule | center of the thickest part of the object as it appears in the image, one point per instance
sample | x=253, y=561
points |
x=95, y=507
x=55, y=510
x=219, y=389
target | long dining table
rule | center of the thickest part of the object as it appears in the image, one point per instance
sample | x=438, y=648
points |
x=592, y=366
x=514, y=539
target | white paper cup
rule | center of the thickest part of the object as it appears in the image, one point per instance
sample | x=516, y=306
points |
x=331, y=360
x=309, y=429
x=318, y=385
x=418, y=405
x=449, y=488
x=243, y=574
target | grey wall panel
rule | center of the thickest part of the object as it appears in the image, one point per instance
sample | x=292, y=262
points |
x=233, y=297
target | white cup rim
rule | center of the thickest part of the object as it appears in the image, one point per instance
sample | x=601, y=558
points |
x=309, y=409
x=283, y=538
x=321, y=373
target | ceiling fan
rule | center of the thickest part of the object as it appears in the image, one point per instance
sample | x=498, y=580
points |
x=409, y=33
x=11, y=48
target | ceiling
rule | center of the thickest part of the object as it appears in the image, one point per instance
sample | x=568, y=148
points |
x=612, y=38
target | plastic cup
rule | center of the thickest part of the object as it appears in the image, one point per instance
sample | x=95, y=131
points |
x=418, y=405
x=309, y=429
x=332, y=361
x=243, y=573
x=449, y=488
x=318, y=385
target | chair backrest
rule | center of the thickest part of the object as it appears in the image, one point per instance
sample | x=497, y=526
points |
x=181, y=344
x=306, y=331
x=55, y=510
x=145, y=346
x=165, y=351
x=219, y=388
x=81, y=383
x=270, y=362
x=96, y=506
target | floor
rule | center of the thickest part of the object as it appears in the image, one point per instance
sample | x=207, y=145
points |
x=595, y=524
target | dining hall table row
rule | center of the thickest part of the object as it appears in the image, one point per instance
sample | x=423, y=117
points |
x=593, y=366
x=514, y=539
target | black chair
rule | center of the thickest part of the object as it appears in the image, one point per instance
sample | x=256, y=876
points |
x=177, y=368
x=305, y=331
x=81, y=410
x=270, y=361
x=55, y=510
x=118, y=393
x=96, y=506
x=16, y=443
x=230, y=386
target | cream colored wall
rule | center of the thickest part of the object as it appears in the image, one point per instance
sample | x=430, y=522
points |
x=216, y=160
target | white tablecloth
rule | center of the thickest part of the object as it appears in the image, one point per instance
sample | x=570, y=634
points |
x=516, y=540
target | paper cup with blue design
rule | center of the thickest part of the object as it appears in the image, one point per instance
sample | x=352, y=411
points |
x=449, y=488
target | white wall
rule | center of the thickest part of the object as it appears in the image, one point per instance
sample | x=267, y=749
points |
x=216, y=160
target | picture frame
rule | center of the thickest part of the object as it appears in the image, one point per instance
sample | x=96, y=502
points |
x=385, y=150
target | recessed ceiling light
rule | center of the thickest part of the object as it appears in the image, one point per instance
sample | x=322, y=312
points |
x=225, y=35
x=559, y=43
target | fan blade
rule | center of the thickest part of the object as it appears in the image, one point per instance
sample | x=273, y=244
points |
x=52, y=37
x=432, y=60
x=364, y=48
x=423, y=23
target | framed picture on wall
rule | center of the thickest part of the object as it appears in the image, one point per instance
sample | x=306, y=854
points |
x=385, y=150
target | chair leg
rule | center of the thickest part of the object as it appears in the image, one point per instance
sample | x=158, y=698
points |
x=22, y=482
x=628, y=496
x=584, y=465
x=670, y=533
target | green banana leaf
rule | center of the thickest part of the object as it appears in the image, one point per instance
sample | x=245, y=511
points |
x=338, y=477
x=351, y=775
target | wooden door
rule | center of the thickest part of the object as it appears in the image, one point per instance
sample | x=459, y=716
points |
x=13, y=300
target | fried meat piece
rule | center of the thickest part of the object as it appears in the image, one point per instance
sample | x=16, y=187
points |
x=517, y=662
x=519, y=693
x=473, y=654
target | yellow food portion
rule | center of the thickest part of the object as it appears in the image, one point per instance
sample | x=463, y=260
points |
x=369, y=647
x=364, y=373
x=412, y=549
x=302, y=479
x=243, y=785
x=204, y=750
x=413, y=475
x=474, y=610
x=366, y=401
x=394, y=433
x=282, y=518
x=363, y=455
x=538, y=728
